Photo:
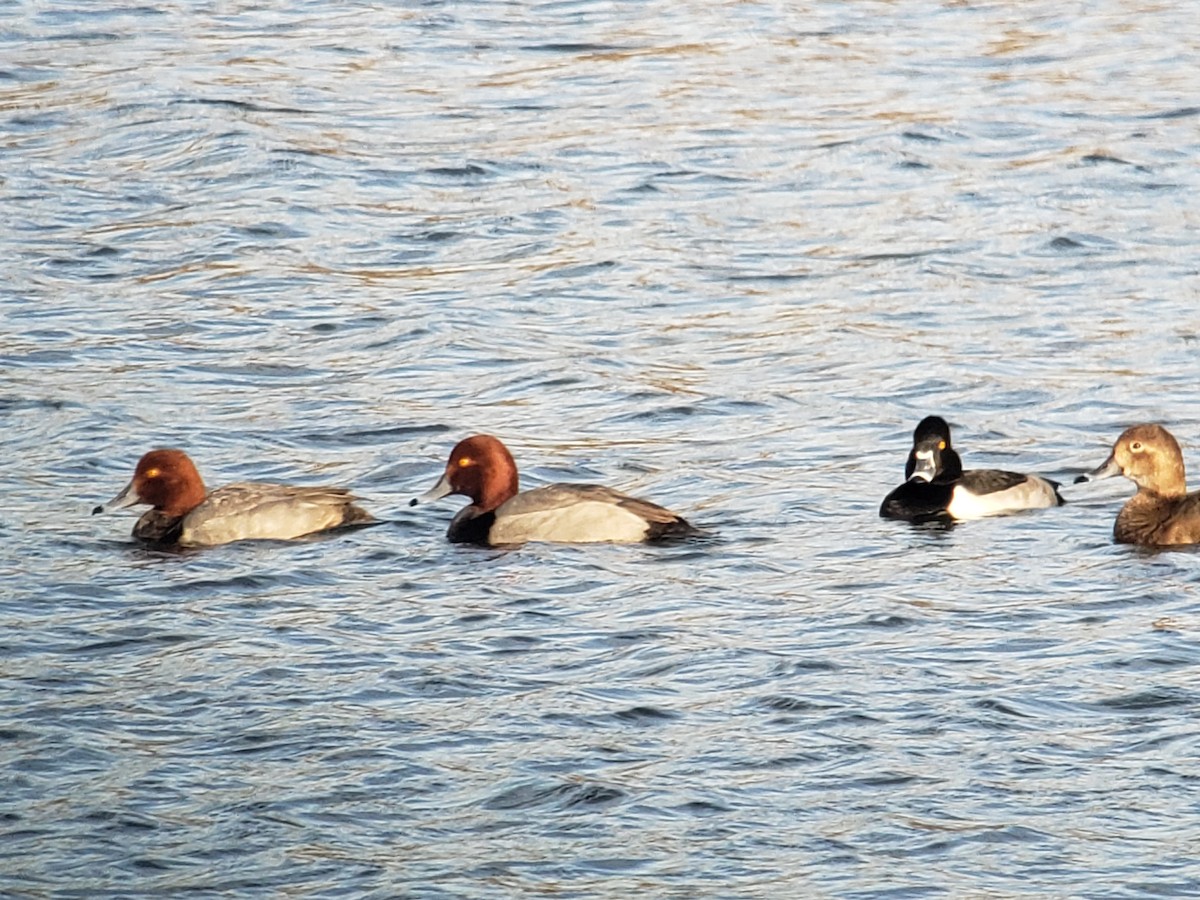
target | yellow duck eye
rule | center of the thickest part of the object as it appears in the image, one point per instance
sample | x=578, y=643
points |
x=464, y=461
x=152, y=473
x=941, y=445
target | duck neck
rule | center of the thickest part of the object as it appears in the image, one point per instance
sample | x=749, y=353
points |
x=951, y=467
x=186, y=496
x=497, y=490
x=1171, y=481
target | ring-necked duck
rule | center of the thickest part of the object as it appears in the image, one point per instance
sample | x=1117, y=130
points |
x=184, y=514
x=937, y=486
x=482, y=469
x=1162, y=512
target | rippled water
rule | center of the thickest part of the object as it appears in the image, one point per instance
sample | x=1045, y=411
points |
x=720, y=254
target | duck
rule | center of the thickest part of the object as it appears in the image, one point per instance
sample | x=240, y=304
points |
x=481, y=468
x=184, y=514
x=937, y=487
x=1162, y=513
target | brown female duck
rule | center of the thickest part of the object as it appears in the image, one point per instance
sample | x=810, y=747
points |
x=1162, y=512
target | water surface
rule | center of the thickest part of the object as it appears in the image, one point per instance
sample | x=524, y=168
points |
x=724, y=255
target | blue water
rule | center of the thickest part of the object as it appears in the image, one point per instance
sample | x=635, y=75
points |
x=722, y=255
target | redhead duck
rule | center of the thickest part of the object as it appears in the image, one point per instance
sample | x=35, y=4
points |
x=1162, y=512
x=482, y=469
x=184, y=514
x=937, y=486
